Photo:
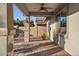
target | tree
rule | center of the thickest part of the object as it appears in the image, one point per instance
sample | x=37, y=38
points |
x=18, y=22
x=32, y=23
x=63, y=23
x=21, y=23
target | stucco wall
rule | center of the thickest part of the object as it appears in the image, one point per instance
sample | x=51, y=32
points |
x=3, y=15
x=72, y=37
x=3, y=30
x=6, y=29
x=38, y=32
x=33, y=31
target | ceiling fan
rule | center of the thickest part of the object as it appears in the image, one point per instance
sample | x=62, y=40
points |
x=43, y=8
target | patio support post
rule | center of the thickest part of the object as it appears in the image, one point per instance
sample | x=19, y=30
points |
x=27, y=30
x=6, y=29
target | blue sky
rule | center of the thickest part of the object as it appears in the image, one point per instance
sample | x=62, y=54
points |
x=18, y=14
x=61, y=18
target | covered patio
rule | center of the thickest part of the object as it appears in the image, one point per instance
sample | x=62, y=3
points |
x=38, y=47
x=61, y=21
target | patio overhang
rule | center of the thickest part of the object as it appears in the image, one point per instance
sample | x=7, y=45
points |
x=35, y=9
x=41, y=14
x=23, y=8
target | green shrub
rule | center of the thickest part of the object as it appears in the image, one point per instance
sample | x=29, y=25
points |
x=63, y=24
x=18, y=22
x=44, y=36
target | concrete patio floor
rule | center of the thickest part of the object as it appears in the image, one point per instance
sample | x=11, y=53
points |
x=38, y=48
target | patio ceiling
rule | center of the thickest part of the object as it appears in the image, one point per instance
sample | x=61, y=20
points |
x=40, y=9
x=36, y=7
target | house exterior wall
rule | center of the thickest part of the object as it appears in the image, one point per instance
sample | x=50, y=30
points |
x=6, y=29
x=3, y=15
x=3, y=30
x=72, y=36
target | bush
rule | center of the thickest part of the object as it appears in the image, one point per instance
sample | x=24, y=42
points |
x=43, y=36
x=63, y=24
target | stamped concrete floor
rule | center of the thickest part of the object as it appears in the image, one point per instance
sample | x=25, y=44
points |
x=38, y=48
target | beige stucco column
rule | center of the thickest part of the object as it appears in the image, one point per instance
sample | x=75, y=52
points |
x=6, y=30
x=27, y=30
x=53, y=27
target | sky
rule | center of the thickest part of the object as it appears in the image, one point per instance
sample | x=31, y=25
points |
x=61, y=18
x=17, y=13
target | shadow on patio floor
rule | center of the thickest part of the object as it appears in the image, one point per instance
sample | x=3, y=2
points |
x=42, y=48
x=30, y=47
x=47, y=52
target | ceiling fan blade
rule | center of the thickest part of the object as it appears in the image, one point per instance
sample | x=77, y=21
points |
x=36, y=9
x=48, y=8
